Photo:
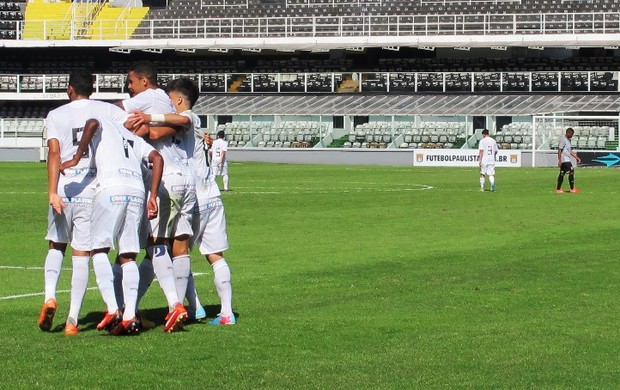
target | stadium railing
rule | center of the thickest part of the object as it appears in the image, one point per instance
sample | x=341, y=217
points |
x=185, y=26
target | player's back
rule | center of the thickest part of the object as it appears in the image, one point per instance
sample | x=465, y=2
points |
x=489, y=148
x=219, y=145
x=66, y=124
x=118, y=156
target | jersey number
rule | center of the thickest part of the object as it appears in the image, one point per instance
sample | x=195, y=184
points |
x=77, y=136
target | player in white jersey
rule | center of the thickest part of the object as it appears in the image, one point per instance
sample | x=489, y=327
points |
x=219, y=162
x=70, y=195
x=209, y=219
x=118, y=207
x=487, y=151
x=565, y=152
x=176, y=194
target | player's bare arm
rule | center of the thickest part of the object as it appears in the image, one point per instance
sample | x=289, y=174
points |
x=159, y=132
x=572, y=153
x=170, y=119
x=91, y=127
x=53, y=172
x=559, y=157
x=157, y=171
x=480, y=153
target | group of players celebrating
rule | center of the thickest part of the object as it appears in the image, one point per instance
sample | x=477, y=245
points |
x=126, y=176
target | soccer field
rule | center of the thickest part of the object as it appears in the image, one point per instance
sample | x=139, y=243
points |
x=349, y=277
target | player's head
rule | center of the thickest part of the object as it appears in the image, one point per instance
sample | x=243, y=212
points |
x=485, y=133
x=80, y=84
x=570, y=132
x=183, y=91
x=142, y=76
x=221, y=134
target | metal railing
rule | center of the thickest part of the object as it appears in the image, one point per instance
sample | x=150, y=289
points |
x=354, y=26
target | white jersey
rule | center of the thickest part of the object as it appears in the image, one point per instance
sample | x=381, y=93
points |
x=119, y=155
x=219, y=145
x=205, y=182
x=66, y=124
x=566, y=147
x=156, y=101
x=489, y=148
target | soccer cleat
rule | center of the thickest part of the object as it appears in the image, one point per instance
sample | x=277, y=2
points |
x=143, y=323
x=574, y=190
x=559, y=191
x=110, y=320
x=174, y=319
x=71, y=330
x=223, y=320
x=200, y=314
x=129, y=327
x=493, y=188
x=482, y=190
x=47, y=314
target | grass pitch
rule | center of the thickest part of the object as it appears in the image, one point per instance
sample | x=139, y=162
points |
x=348, y=278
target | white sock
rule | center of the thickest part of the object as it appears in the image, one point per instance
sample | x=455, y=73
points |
x=492, y=179
x=105, y=280
x=482, y=183
x=131, y=280
x=164, y=270
x=181, y=274
x=118, y=284
x=225, y=182
x=53, y=264
x=146, y=276
x=191, y=294
x=79, y=283
x=221, y=273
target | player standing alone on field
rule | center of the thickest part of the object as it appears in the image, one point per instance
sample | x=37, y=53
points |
x=487, y=151
x=218, y=158
x=565, y=152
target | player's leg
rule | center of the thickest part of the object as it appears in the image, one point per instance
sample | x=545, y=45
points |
x=482, y=177
x=194, y=306
x=58, y=235
x=213, y=243
x=182, y=233
x=558, y=188
x=225, y=175
x=571, y=179
x=491, y=175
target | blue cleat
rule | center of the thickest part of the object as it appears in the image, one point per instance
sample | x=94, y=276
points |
x=221, y=320
x=200, y=314
x=493, y=188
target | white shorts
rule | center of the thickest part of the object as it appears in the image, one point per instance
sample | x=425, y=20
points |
x=210, y=226
x=73, y=224
x=219, y=169
x=116, y=217
x=487, y=169
x=176, y=201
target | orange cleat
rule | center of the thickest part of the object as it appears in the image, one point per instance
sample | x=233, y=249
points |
x=129, y=327
x=71, y=330
x=110, y=320
x=47, y=314
x=175, y=319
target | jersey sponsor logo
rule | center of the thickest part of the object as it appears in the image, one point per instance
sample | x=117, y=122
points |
x=81, y=171
x=122, y=199
x=183, y=188
x=210, y=205
x=129, y=173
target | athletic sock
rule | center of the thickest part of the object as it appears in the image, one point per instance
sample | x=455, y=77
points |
x=53, y=264
x=482, y=183
x=221, y=273
x=571, y=181
x=117, y=271
x=105, y=280
x=181, y=266
x=79, y=283
x=492, y=179
x=191, y=294
x=164, y=270
x=225, y=182
x=147, y=274
x=131, y=280
x=560, y=180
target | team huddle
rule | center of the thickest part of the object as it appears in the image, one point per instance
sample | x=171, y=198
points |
x=128, y=176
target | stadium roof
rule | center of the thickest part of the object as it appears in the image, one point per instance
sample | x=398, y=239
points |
x=419, y=104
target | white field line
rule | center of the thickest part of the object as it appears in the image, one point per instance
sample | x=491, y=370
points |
x=37, y=294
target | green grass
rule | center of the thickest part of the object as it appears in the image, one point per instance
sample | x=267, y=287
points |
x=352, y=277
